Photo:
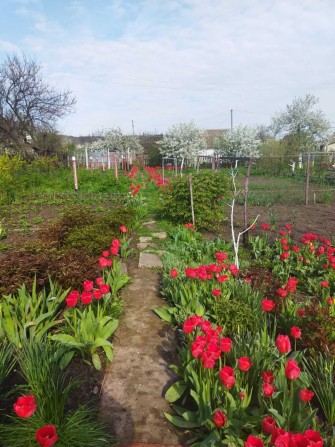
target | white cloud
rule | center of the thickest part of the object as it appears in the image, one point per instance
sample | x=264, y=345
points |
x=177, y=60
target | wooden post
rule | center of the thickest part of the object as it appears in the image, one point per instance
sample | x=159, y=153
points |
x=75, y=178
x=116, y=174
x=191, y=194
x=246, y=192
x=307, y=178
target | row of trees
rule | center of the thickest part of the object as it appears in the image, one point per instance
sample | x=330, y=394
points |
x=111, y=140
x=298, y=129
x=30, y=110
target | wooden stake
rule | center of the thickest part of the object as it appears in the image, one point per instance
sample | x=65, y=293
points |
x=116, y=174
x=75, y=178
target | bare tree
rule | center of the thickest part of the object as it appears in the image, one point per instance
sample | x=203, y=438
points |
x=28, y=105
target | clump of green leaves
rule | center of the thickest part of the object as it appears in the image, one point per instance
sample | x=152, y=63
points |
x=234, y=315
x=81, y=227
x=210, y=190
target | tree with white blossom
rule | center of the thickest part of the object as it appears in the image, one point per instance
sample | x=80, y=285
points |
x=302, y=126
x=114, y=140
x=242, y=141
x=183, y=141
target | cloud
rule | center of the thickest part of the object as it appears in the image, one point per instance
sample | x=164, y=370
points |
x=161, y=62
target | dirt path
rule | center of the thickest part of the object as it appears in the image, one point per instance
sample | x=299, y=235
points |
x=135, y=382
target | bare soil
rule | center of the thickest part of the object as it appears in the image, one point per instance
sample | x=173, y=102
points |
x=316, y=218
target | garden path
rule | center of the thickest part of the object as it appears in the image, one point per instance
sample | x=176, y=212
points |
x=135, y=382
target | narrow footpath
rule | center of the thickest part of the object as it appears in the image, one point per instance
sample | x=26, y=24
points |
x=135, y=382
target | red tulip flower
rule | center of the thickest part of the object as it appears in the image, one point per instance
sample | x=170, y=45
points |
x=244, y=363
x=104, y=288
x=305, y=395
x=72, y=299
x=219, y=418
x=173, y=273
x=226, y=344
x=25, y=406
x=46, y=436
x=268, y=389
x=86, y=298
x=88, y=286
x=97, y=294
x=268, y=377
x=268, y=425
x=227, y=376
x=295, y=332
x=267, y=305
x=292, y=370
x=216, y=292
x=123, y=229
x=283, y=344
x=253, y=441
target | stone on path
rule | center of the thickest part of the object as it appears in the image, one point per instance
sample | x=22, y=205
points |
x=160, y=235
x=132, y=401
x=149, y=260
x=145, y=239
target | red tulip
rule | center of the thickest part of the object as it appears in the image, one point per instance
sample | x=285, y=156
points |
x=123, y=229
x=268, y=389
x=268, y=377
x=104, y=288
x=216, y=292
x=295, y=332
x=86, y=298
x=88, y=285
x=253, y=441
x=292, y=370
x=97, y=294
x=226, y=344
x=173, y=273
x=227, y=376
x=283, y=344
x=219, y=418
x=46, y=436
x=244, y=363
x=267, y=305
x=305, y=395
x=268, y=425
x=25, y=406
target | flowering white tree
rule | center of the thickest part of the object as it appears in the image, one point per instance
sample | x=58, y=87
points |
x=183, y=141
x=115, y=141
x=242, y=141
x=302, y=127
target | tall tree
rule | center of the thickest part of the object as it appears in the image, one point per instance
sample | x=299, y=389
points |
x=303, y=128
x=183, y=141
x=28, y=105
x=242, y=141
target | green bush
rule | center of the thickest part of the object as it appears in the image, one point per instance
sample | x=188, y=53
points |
x=210, y=190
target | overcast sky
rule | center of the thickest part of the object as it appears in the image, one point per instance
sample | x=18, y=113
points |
x=162, y=62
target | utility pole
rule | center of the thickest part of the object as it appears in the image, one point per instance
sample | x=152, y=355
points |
x=231, y=119
x=132, y=124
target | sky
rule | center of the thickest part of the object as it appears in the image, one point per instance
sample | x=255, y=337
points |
x=149, y=64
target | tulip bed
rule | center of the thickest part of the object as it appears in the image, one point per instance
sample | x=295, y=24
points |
x=41, y=332
x=257, y=344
